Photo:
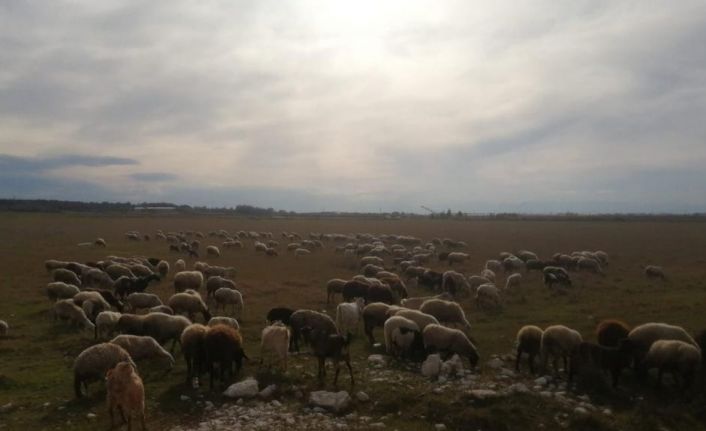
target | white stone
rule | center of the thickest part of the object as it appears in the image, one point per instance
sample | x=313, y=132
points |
x=91, y=416
x=184, y=398
x=440, y=427
x=246, y=389
x=483, y=394
x=333, y=401
x=580, y=411
x=431, y=367
x=268, y=391
x=362, y=397
x=495, y=363
x=377, y=360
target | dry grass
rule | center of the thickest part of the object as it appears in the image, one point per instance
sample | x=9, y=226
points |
x=36, y=358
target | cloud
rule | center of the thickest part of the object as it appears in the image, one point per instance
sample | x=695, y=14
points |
x=153, y=176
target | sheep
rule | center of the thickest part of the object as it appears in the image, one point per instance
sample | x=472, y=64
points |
x=380, y=293
x=416, y=302
x=163, y=268
x=334, y=286
x=559, y=341
x=325, y=344
x=371, y=260
x=94, y=362
x=4, y=327
x=189, y=302
x=66, y=309
x=590, y=265
x=457, y=257
x=215, y=282
x=421, y=319
x=223, y=346
x=61, y=290
x=187, y=280
x=612, y=359
x=279, y=314
x=678, y=357
x=52, y=264
x=213, y=270
x=225, y=296
x=95, y=277
x=140, y=300
x=179, y=265
x=476, y=280
x=354, y=289
x=529, y=339
x=454, y=282
x=556, y=275
x=192, y=348
x=99, y=303
x=494, y=265
x=275, y=339
x=126, y=392
x=125, y=286
x=223, y=320
x=212, y=250
x=301, y=252
x=514, y=281
x=131, y=324
x=402, y=337
x=430, y=279
x=643, y=336
x=164, y=327
x=142, y=347
x=488, y=297
x=610, y=332
x=513, y=263
x=450, y=341
x=161, y=309
x=312, y=319
x=447, y=312
x=141, y=270
x=375, y=315
x=487, y=273
x=602, y=257
x=652, y=272
x=106, y=321
x=348, y=316
x=526, y=255
x=66, y=276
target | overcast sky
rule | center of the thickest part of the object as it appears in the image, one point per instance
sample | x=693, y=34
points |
x=534, y=106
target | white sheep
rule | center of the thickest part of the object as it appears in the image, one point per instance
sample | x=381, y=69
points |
x=643, y=336
x=275, y=339
x=223, y=320
x=212, y=250
x=52, y=264
x=138, y=300
x=416, y=302
x=215, y=282
x=528, y=340
x=514, y=281
x=399, y=334
x=106, y=321
x=348, y=316
x=446, y=312
x=301, y=252
x=142, y=347
x=164, y=327
x=488, y=297
x=225, y=296
x=189, y=302
x=476, y=280
x=494, y=265
x=179, y=265
x=334, y=286
x=449, y=340
x=489, y=274
x=163, y=268
x=421, y=319
x=95, y=361
x=558, y=341
x=653, y=271
x=61, y=290
x=65, y=309
x=4, y=327
x=457, y=257
x=187, y=280
x=66, y=276
x=454, y=282
x=674, y=356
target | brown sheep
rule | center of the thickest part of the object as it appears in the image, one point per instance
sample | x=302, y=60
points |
x=223, y=346
x=610, y=331
x=126, y=393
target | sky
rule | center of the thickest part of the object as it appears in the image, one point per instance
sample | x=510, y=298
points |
x=525, y=106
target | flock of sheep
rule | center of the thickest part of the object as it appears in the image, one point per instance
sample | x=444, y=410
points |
x=111, y=298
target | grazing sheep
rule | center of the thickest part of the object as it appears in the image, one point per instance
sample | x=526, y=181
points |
x=225, y=296
x=66, y=309
x=494, y=265
x=556, y=275
x=187, y=280
x=334, y=286
x=454, y=282
x=125, y=286
x=222, y=271
x=4, y=327
x=192, y=339
x=514, y=281
x=421, y=319
x=106, y=322
x=559, y=341
x=370, y=270
x=163, y=327
x=93, y=363
x=142, y=347
x=141, y=270
x=590, y=265
x=216, y=282
x=301, y=252
x=602, y=257
x=375, y=315
x=52, y=264
x=312, y=319
x=161, y=309
x=223, y=320
x=643, y=336
x=380, y=293
x=675, y=356
x=446, y=312
x=189, y=302
x=140, y=300
x=179, y=265
x=66, y=276
x=490, y=275
x=476, y=280
x=354, y=289
x=652, y=272
x=163, y=268
x=61, y=290
x=415, y=303
x=457, y=257
x=488, y=297
x=612, y=359
x=212, y=250
x=402, y=337
x=279, y=314
x=430, y=279
x=513, y=263
x=526, y=255
x=450, y=341
x=275, y=339
x=223, y=346
x=325, y=344
x=372, y=260
x=529, y=340
x=95, y=277
x=348, y=316
x=126, y=393
x=131, y=324
x=610, y=332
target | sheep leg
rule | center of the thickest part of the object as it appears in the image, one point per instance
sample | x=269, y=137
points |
x=518, y=356
x=142, y=419
x=322, y=368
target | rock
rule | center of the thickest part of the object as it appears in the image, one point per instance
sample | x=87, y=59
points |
x=246, y=389
x=184, y=398
x=377, y=360
x=607, y=412
x=545, y=394
x=91, y=416
x=333, y=401
x=452, y=367
x=377, y=425
x=276, y=403
x=483, y=394
x=440, y=427
x=362, y=397
x=495, y=363
x=431, y=367
x=507, y=372
x=518, y=388
x=580, y=411
x=542, y=381
x=268, y=391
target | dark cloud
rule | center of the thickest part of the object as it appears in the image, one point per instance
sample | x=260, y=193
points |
x=154, y=176
x=17, y=164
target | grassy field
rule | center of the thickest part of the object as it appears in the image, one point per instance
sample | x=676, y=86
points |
x=36, y=357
